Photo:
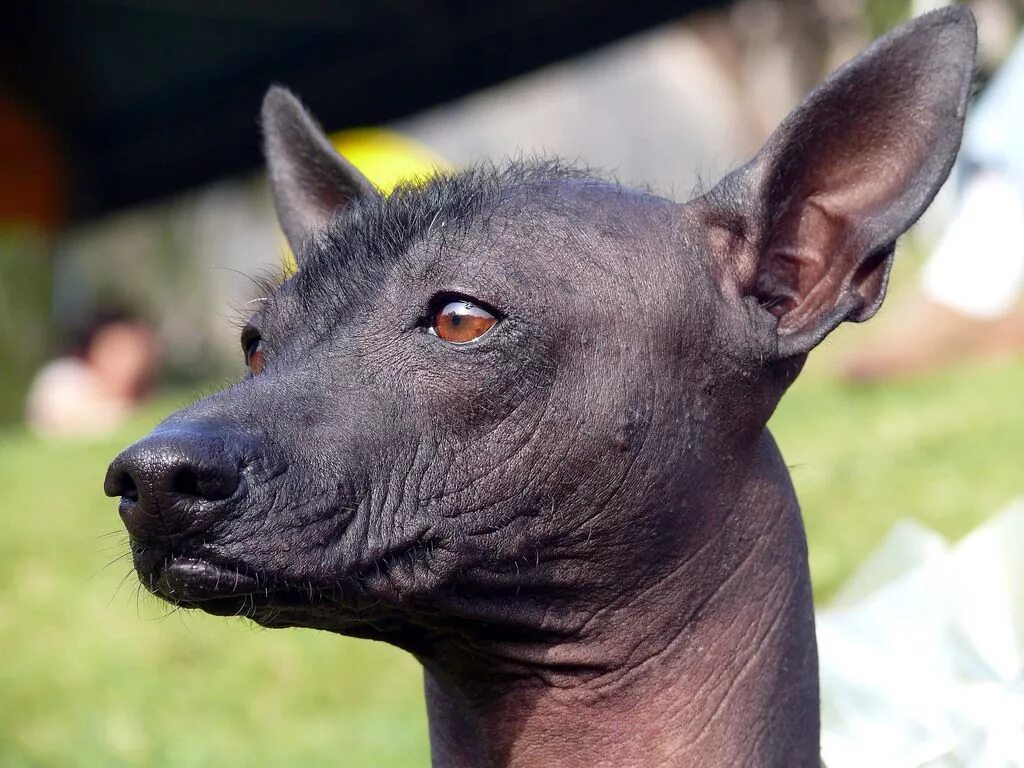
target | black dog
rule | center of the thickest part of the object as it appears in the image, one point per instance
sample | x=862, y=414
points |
x=513, y=421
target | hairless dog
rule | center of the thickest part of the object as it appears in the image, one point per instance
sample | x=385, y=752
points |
x=513, y=421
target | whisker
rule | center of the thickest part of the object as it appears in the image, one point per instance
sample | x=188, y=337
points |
x=108, y=534
x=120, y=584
x=100, y=570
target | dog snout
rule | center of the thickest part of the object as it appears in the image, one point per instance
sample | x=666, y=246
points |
x=170, y=480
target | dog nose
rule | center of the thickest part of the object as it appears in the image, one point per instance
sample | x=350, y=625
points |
x=168, y=480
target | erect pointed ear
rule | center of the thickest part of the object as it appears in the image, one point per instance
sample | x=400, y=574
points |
x=812, y=221
x=308, y=178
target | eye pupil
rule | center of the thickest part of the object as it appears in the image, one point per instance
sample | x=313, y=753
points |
x=460, y=322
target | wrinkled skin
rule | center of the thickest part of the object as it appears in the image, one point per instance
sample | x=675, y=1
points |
x=384, y=466
x=578, y=521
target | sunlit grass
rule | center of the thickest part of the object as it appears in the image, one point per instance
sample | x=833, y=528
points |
x=947, y=451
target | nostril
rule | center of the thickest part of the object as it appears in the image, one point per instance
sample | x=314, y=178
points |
x=185, y=482
x=128, y=489
x=119, y=481
x=209, y=483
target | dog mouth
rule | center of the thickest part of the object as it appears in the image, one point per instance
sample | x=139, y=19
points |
x=189, y=579
x=191, y=582
x=195, y=579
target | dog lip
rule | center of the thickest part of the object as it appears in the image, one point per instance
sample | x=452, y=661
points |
x=192, y=580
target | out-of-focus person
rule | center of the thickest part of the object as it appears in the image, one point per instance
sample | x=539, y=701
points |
x=99, y=384
x=968, y=305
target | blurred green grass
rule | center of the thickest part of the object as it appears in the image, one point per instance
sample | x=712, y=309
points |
x=96, y=675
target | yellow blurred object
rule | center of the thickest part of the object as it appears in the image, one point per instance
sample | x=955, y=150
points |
x=385, y=158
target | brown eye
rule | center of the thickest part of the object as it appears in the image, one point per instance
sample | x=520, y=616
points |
x=461, y=321
x=253, y=347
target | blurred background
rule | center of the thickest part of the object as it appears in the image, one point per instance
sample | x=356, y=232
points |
x=135, y=223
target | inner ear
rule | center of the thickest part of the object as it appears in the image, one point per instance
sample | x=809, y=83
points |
x=819, y=259
x=847, y=173
x=838, y=196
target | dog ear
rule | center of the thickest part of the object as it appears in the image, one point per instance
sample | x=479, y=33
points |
x=308, y=178
x=812, y=221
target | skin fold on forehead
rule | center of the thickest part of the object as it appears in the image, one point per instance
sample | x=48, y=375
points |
x=546, y=206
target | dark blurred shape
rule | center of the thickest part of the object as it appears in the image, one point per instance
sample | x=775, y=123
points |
x=32, y=183
x=147, y=97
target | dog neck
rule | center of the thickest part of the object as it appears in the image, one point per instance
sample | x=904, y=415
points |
x=714, y=665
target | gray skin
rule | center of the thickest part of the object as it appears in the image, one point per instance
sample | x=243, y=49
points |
x=579, y=522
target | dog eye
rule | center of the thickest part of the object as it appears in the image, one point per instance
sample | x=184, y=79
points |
x=461, y=321
x=252, y=346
